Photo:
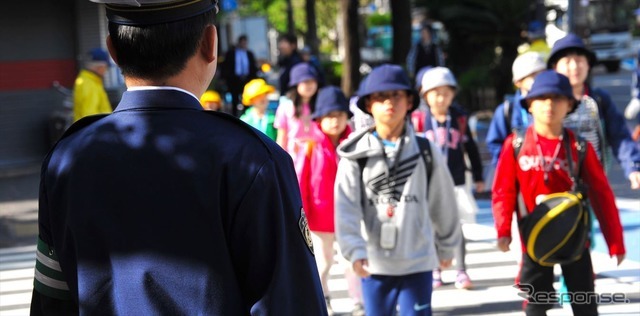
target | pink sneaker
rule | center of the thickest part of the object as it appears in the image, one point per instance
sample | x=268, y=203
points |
x=462, y=281
x=437, y=280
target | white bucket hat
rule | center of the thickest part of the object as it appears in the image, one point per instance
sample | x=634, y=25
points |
x=437, y=77
x=527, y=64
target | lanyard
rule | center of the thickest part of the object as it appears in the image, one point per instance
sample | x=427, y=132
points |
x=445, y=146
x=547, y=168
x=391, y=172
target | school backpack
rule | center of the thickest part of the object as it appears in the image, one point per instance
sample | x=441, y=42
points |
x=557, y=229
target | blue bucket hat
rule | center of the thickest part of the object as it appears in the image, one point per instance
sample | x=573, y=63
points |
x=99, y=54
x=550, y=82
x=569, y=43
x=302, y=72
x=386, y=77
x=330, y=99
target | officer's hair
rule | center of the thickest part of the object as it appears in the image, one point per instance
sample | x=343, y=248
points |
x=158, y=51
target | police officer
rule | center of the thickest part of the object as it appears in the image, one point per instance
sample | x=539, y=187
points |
x=162, y=207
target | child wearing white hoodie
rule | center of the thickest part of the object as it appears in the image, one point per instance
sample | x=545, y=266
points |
x=398, y=185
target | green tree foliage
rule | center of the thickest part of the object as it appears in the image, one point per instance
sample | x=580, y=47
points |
x=484, y=36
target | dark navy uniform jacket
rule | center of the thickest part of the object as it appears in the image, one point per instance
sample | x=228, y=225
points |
x=161, y=208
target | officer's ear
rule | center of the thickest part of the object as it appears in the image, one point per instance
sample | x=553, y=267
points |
x=112, y=51
x=209, y=43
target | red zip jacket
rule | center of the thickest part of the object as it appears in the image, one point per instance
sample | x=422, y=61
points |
x=527, y=174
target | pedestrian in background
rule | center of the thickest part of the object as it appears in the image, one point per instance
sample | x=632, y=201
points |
x=258, y=115
x=318, y=175
x=289, y=57
x=239, y=67
x=89, y=96
x=509, y=115
x=596, y=118
x=307, y=56
x=397, y=189
x=211, y=101
x=541, y=168
x=537, y=40
x=446, y=127
x=293, y=116
x=426, y=52
x=632, y=110
x=163, y=208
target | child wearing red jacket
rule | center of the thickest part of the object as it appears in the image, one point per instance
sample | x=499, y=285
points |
x=318, y=175
x=541, y=168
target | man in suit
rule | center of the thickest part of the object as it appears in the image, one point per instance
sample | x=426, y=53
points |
x=239, y=68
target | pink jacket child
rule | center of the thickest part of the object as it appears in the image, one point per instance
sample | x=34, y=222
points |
x=317, y=168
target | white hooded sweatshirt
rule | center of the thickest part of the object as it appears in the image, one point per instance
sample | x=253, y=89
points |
x=428, y=228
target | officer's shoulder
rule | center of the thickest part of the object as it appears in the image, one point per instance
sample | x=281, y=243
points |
x=251, y=133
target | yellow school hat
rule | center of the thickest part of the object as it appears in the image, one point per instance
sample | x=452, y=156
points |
x=254, y=88
x=210, y=96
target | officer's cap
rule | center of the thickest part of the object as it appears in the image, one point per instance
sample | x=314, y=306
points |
x=148, y=12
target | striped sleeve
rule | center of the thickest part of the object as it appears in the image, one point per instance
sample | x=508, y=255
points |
x=49, y=279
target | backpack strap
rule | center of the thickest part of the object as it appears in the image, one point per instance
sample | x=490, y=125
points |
x=518, y=141
x=425, y=151
x=462, y=125
x=508, y=113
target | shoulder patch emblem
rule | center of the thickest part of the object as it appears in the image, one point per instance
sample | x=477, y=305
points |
x=304, y=229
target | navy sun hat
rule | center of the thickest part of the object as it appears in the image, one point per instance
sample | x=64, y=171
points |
x=386, y=77
x=567, y=44
x=99, y=54
x=550, y=82
x=302, y=72
x=330, y=99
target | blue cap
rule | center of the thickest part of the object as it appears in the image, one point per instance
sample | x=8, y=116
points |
x=535, y=29
x=302, y=72
x=567, y=44
x=550, y=82
x=330, y=99
x=99, y=54
x=386, y=77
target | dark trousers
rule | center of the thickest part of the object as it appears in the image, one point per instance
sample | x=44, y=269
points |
x=412, y=293
x=235, y=86
x=537, y=282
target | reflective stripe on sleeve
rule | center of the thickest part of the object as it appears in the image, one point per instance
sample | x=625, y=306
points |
x=49, y=279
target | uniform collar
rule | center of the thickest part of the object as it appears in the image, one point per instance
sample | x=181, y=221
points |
x=158, y=98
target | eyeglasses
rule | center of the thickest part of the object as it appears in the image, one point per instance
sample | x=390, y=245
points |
x=387, y=95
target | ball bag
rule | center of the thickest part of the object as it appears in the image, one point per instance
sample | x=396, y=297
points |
x=556, y=231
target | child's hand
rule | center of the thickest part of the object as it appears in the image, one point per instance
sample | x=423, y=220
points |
x=445, y=263
x=503, y=243
x=620, y=258
x=361, y=268
x=479, y=186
